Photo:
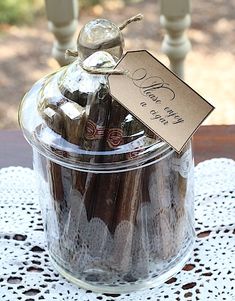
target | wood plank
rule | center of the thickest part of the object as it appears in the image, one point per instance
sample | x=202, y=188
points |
x=214, y=141
x=14, y=150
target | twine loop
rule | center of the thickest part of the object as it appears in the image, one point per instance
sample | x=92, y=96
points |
x=136, y=18
x=101, y=71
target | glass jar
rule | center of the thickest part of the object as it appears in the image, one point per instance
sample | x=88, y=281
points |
x=117, y=201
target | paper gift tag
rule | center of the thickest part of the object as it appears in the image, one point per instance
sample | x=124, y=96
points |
x=158, y=98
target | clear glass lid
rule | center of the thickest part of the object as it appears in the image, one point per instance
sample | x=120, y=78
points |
x=70, y=116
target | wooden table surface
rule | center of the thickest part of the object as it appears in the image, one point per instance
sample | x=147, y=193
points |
x=209, y=142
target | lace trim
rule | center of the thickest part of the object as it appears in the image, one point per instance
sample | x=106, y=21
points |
x=26, y=272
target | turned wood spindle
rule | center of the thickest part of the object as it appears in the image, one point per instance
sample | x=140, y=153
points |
x=62, y=16
x=175, y=19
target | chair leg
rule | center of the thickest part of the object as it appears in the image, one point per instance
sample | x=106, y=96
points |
x=62, y=21
x=175, y=18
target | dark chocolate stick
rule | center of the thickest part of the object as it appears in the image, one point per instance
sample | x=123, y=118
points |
x=161, y=201
x=105, y=190
x=141, y=242
x=140, y=252
x=80, y=132
x=125, y=216
x=107, y=184
x=74, y=123
x=50, y=112
x=94, y=140
x=128, y=201
x=84, y=184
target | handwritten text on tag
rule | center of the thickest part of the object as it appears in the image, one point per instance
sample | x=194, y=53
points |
x=158, y=98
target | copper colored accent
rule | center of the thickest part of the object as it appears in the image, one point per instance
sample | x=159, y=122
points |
x=115, y=137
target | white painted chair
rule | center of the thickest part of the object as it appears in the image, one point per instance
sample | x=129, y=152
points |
x=175, y=18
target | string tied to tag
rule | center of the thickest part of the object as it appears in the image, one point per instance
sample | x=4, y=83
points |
x=136, y=18
x=97, y=71
x=100, y=63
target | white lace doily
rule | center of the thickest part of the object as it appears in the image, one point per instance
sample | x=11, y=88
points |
x=26, y=273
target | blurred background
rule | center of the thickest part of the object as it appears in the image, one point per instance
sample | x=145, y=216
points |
x=26, y=42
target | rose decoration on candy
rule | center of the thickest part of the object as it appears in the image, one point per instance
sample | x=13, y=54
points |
x=93, y=131
x=115, y=137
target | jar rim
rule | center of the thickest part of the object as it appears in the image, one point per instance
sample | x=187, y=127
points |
x=148, y=158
